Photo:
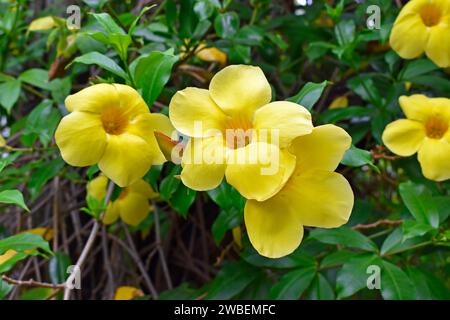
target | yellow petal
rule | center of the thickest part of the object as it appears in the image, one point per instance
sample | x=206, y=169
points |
x=273, y=228
x=409, y=36
x=322, y=149
x=93, y=99
x=404, y=137
x=240, y=89
x=339, y=102
x=81, y=138
x=319, y=198
x=44, y=23
x=133, y=208
x=112, y=213
x=194, y=113
x=434, y=158
x=438, y=47
x=46, y=233
x=2, y=141
x=97, y=187
x=259, y=170
x=143, y=188
x=130, y=101
x=126, y=159
x=127, y=293
x=211, y=55
x=203, y=163
x=416, y=107
x=145, y=126
x=282, y=119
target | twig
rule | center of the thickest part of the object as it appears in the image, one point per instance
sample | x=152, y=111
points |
x=160, y=248
x=377, y=223
x=32, y=283
x=88, y=245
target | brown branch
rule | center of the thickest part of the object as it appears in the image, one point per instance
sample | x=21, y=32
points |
x=33, y=283
x=377, y=224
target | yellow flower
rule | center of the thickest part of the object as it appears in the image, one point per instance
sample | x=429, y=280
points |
x=425, y=131
x=314, y=195
x=211, y=54
x=111, y=125
x=423, y=26
x=231, y=123
x=132, y=205
x=127, y=293
x=339, y=102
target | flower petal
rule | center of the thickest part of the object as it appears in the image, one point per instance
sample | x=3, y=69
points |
x=240, y=89
x=404, y=137
x=127, y=158
x=145, y=125
x=320, y=198
x=288, y=119
x=323, y=149
x=203, y=163
x=112, y=213
x=409, y=35
x=434, y=158
x=273, y=229
x=416, y=107
x=143, y=188
x=134, y=208
x=97, y=187
x=259, y=170
x=130, y=101
x=93, y=99
x=194, y=113
x=81, y=138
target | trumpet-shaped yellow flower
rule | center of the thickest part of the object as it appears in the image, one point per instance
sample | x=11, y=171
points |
x=132, y=205
x=111, y=125
x=314, y=195
x=423, y=26
x=231, y=125
x=425, y=131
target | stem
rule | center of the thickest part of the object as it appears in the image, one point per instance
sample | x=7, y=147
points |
x=160, y=249
x=88, y=245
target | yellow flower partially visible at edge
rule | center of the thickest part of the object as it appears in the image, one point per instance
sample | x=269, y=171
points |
x=132, y=205
x=313, y=196
x=423, y=26
x=127, y=293
x=211, y=54
x=110, y=124
x=238, y=100
x=425, y=131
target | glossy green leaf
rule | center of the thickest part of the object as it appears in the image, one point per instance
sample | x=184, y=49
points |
x=309, y=94
x=13, y=197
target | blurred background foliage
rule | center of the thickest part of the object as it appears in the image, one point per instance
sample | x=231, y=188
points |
x=318, y=53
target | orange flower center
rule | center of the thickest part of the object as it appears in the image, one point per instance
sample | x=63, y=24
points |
x=114, y=121
x=431, y=15
x=123, y=193
x=238, y=132
x=436, y=127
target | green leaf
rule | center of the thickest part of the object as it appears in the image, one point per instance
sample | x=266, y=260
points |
x=13, y=197
x=226, y=197
x=11, y=262
x=297, y=259
x=428, y=286
x=226, y=24
x=42, y=174
x=226, y=220
x=413, y=229
x=395, y=283
x=395, y=242
x=335, y=115
x=345, y=32
x=43, y=121
x=135, y=21
x=182, y=199
x=355, y=157
x=9, y=94
x=5, y=289
x=170, y=184
x=37, y=78
x=344, y=236
x=309, y=94
x=57, y=267
x=36, y=294
x=336, y=258
x=24, y=241
x=320, y=289
x=292, y=284
x=108, y=23
x=353, y=275
x=152, y=73
x=417, y=68
x=419, y=201
x=232, y=279
x=102, y=61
